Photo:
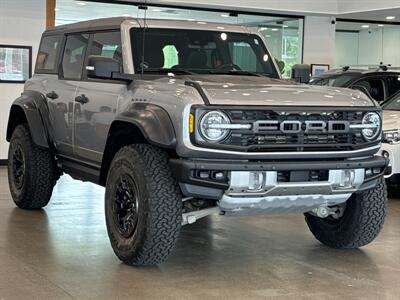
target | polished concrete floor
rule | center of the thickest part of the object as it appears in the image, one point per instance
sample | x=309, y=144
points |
x=63, y=252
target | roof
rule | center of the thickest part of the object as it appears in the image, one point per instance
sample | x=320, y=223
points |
x=115, y=23
x=361, y=71
x=90, y=25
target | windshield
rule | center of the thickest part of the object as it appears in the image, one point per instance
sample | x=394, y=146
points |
x=393, y=104
x=333, y=80
x=199, y=51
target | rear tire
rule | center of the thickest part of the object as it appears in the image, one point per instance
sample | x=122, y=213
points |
x=32, y=171
x=360, y=224
x=143, y=205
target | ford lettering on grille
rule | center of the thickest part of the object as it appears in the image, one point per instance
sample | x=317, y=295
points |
x=295, y=126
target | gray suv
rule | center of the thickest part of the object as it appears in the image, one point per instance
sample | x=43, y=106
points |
x=179, y=120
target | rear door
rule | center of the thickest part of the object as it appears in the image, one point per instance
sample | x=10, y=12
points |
x=93, y=117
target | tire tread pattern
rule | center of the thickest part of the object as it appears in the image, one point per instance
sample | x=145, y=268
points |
x=360, y=226
x=164, y=214
x=40, y=176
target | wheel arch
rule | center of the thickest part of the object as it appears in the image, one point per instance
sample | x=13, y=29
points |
x=142, y=124
x=31, y=108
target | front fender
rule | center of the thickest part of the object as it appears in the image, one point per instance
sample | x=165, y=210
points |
x=34, y=107
x=153, y=121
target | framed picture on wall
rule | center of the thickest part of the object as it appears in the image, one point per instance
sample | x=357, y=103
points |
x=317, y=69
x=15, y=63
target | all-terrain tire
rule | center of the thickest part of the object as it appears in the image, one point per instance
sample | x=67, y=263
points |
x=37, y=165
x=144, y=170
x=360, y=224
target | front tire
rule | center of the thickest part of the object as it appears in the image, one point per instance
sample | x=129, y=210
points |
x=32, y=171
x=143, y=205
x=360, y=224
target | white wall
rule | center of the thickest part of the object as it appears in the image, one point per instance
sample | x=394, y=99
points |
x=21, y=23
x=368, y=47
x=319, y=41
x=346, y=50
x=391, y=46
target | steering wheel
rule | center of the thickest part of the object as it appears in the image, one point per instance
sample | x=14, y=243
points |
x=229, y=67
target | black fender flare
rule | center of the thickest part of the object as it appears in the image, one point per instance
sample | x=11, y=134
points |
x=34, y=106
x=153, y=121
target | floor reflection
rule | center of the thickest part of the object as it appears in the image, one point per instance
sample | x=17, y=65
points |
x=250, y=257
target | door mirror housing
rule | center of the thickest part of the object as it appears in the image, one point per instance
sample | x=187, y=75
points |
x=102, y=67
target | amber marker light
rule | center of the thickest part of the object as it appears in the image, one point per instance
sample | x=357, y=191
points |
x=191, y=123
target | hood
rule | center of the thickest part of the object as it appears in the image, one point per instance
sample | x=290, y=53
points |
x=391, y=119
x=251, y=90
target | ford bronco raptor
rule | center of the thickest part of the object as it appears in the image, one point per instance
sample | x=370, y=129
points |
x=178, y=120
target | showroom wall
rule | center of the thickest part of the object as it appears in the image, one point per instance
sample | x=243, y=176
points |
x=22, y=23
x=367, y=46
x=319, y=40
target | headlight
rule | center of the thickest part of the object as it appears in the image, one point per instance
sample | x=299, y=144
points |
x=213, y=126
x=371, y=125
x=391, y=136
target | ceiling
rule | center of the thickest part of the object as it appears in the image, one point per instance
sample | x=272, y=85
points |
x=69, y=11
x=376, y=15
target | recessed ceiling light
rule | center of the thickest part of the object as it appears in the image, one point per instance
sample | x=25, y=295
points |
x=381, y=25
x=274, y=29
x=390, y=17
x=225, y=16
x=81, y=3
x=191, y=20
x=202, y=23
x=285, y=26
x=220, y=28
x=156, y=9
x=365, y=26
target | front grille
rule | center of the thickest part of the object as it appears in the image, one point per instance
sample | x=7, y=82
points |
x=266, y=139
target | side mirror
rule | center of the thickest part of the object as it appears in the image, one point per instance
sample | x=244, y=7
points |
x=102, y=67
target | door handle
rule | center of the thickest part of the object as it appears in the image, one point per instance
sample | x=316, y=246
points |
x=52, y=95
x=82, y=99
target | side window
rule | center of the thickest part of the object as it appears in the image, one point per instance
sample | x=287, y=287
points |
x=374, y=86
x=393, y=85
x=47, y=56
x=107, y=44
x=74, y=55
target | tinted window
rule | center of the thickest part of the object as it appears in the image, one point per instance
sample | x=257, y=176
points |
x=375, y=87
x=200, y=51
x=243, y=56
x=48, y=52
x=393, y=85
x=334, y=80
x=74, y=55
x=107, y=44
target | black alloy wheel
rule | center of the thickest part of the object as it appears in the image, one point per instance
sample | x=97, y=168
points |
x=126, y=206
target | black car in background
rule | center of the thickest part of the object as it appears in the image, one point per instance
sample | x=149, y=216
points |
x=380, y=83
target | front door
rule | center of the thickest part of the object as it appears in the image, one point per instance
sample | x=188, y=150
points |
x=96, y=101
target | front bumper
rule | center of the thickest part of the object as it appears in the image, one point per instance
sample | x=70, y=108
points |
x=228, y=183
x=393, y=154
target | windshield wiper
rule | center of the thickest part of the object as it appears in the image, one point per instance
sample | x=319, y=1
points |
x=168, y=70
